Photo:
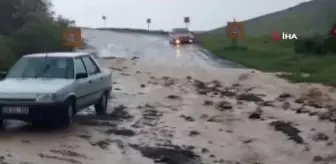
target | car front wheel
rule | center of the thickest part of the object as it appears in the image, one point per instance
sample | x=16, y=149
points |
x=68, y=112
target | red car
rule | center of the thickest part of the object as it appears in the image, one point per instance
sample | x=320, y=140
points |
x=181, y=36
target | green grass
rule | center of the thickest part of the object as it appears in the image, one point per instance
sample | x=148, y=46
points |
x=267, y=55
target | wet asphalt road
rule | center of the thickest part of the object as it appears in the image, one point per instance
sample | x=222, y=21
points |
x=180, y=105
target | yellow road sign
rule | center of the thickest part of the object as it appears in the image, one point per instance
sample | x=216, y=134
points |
x=73, y=38
x=235, y=30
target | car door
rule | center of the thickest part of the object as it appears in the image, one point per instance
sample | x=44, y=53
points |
x=82, y=85
x=95, y=78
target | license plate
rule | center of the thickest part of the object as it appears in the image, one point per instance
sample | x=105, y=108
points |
x=15, y=110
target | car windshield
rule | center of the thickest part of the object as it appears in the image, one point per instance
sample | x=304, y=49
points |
x=42, y=67
x=180, y=30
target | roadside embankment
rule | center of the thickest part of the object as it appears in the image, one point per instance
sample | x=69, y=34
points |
x=267, y=55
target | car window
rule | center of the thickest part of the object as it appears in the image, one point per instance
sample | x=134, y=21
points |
x=90, y=65
x=79, y=66
x=42, y=67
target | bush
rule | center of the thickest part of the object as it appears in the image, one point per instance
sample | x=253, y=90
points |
x=30, y=30
x=317, y=45
x=7, y=56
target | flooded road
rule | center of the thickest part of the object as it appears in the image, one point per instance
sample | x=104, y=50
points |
x=182, y=106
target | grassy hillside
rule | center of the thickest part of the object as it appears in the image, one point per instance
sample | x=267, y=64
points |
x=311, y=21
x=313, y=17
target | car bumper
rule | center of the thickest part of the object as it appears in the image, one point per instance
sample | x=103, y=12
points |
x=184, y=41
x=37, y=111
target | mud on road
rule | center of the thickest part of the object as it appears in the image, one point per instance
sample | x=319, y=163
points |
x=169, y=115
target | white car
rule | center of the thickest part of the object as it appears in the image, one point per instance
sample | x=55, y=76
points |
x=52, y=87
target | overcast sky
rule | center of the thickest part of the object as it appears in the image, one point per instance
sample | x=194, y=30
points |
x=166, y=14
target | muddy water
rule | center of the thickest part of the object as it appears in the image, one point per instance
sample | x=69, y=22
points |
x=180, y=107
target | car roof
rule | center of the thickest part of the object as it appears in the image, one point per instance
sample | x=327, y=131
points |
x=58, y=54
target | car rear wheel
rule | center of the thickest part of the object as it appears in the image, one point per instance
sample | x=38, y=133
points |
x=101, y=106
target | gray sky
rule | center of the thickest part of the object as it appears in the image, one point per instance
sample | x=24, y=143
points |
x=166, y=14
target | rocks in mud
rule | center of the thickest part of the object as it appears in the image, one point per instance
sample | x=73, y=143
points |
x=255, y=116
x=284, y=96
x=204, y=150
x=69, y=153
x=250, y=97
x=188, y=77
x=169, y=155
x=142, y=85
x=187, y=118
x=150, y=116
x=134, y=58
x=168, y=81
x=208, y=103
x=317, y=158
x=288, y=129
x=328, y=115
x=174, y=97
x=125, y=74
x=103, y=144
x=120, y=113
x=224, y=106
x=320, y=137
x=68, y=160
x=123, y=132
x=194, y=133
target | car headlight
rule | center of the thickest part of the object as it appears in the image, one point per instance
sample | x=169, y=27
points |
x=49, y=97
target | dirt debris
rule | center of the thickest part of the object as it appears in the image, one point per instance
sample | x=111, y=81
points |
x=255, y=116
x=194, y=133
x=224, y=106
x=103, y=144
x=187, y=118
x=120, y=113
x=123, y=132
x=208, y=103
x=174, y=97
x=250, y=97
x=320, y=137
x=169, y=155
x=288, y=129
x=69, y=153
x=69, y=160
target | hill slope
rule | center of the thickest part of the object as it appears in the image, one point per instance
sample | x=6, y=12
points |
x=313, y=17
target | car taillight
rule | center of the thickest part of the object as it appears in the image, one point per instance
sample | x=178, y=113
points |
x=177, y=41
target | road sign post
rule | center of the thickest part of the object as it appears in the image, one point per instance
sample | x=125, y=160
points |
x=187, y=21
x=149, y=21
x=332, y=32
x=104, y=19
x=235, y=31
x=72, y=37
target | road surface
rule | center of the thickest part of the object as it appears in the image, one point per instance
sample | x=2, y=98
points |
x=182, y=106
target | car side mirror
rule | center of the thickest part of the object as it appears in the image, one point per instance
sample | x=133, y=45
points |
x=3, y=75
x=81, y=75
